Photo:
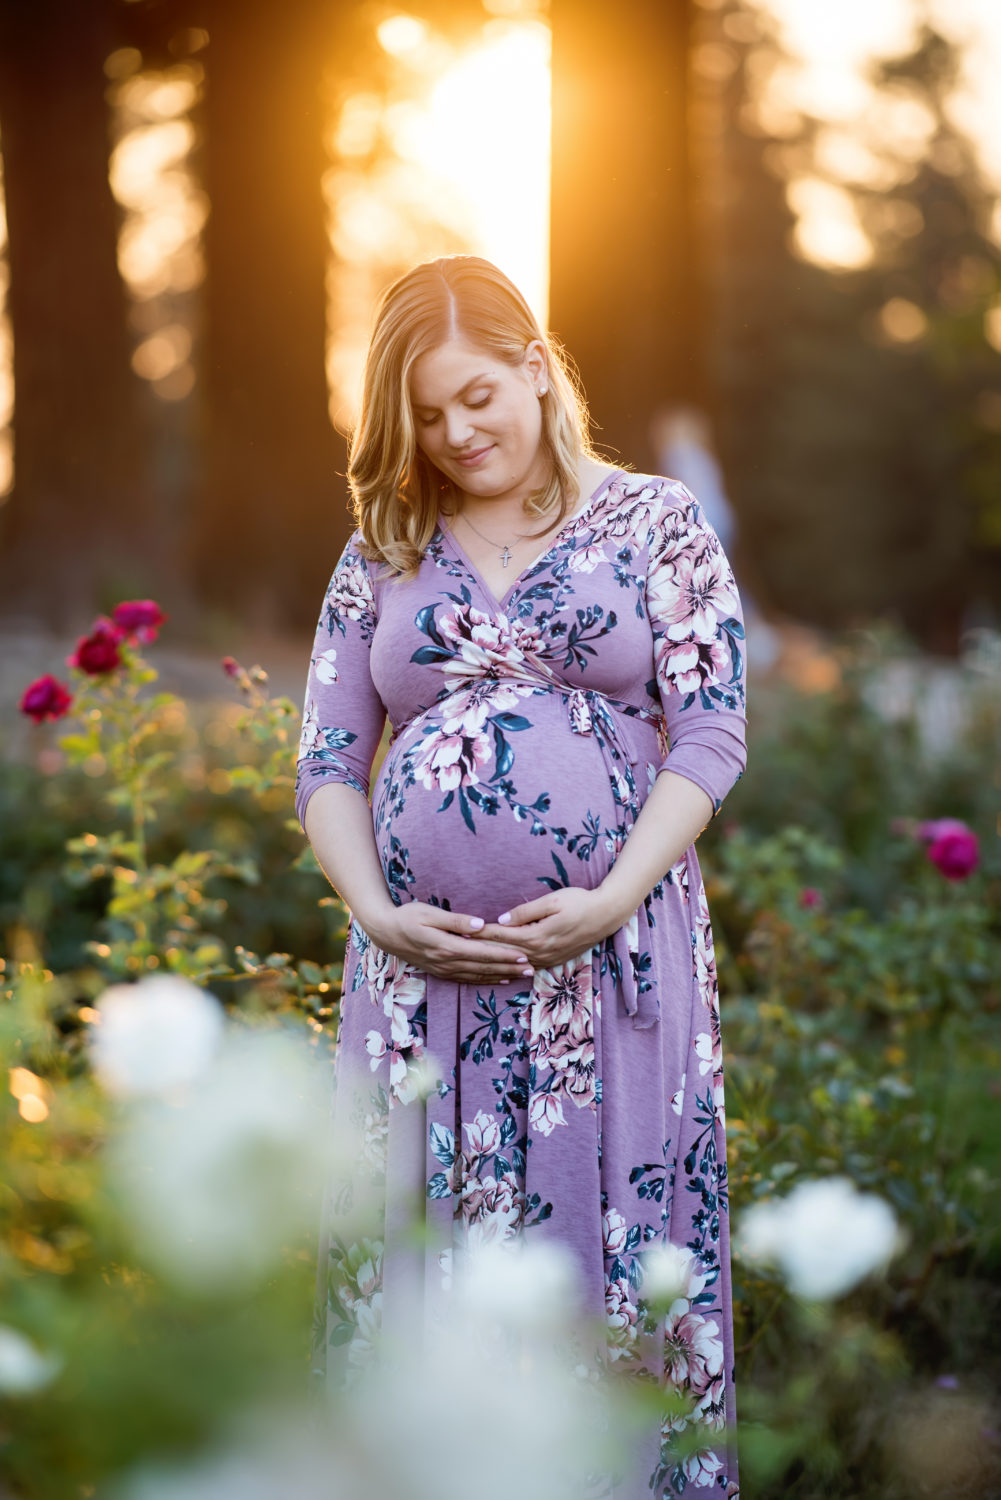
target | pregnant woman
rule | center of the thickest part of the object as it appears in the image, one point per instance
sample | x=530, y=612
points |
x=558, y=646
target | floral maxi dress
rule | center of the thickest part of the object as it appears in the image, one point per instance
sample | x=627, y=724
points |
x=584, y=1105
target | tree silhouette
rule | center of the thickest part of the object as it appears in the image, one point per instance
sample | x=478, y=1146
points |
x=269, y=512
x=76, y=519
x=626, y=293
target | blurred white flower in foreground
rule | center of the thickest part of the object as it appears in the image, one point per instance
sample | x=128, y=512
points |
x=516, y=1282
x=23, y=1368
x=825, y=1236
x=266, y=1456
x=667, y=1272
x=482, y=1404
x=492, y=1367
x=214, y=1181
x=154, y=1035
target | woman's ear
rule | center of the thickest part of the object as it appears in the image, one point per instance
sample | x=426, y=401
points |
x=536, y=362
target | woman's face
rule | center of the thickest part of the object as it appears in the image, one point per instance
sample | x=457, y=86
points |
x=479, y=420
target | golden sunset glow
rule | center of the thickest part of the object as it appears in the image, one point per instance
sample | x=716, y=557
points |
x=863, y=131
x=467, y=173
x=496, y=155
x=159, y=245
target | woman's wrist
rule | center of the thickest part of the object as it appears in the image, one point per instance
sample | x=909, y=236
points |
x=376, y=916
x=617, y=899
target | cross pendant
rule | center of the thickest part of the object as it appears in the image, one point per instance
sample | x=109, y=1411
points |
x=505, y=557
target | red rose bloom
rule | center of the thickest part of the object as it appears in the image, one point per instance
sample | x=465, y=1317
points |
x=141, y=618
x=98, y=652
x=956, y=853
x=951, y=846
x=45, y=698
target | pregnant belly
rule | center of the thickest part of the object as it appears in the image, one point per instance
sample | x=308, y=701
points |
x=482, y=822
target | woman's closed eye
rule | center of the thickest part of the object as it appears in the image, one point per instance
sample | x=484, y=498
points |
x=426, y=421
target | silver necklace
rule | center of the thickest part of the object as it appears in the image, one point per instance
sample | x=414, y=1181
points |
x=504, y=547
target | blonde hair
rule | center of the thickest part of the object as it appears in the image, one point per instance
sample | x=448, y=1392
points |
x=396, y=491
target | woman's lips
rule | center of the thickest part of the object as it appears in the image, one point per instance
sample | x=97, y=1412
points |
x=472, y=459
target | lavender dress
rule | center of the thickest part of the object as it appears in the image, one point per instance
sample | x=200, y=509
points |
x=586, y=1105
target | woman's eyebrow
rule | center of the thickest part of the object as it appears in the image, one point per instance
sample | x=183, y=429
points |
x=425, y=406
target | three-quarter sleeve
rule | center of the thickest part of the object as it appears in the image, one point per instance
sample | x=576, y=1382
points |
x=343, y=715
x=699, y=658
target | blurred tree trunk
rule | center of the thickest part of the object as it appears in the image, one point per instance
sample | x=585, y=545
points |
x=79, y=499
x=626, y=296
x=271, y=512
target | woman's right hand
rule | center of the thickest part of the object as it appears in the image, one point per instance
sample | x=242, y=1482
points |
x=438, y=942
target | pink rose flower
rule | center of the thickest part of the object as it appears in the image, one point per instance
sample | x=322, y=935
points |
x=484, y=1134
x=98, y=652
x=230, y=666
x=615, y=1232
x=375, y=1046
x=141, y=618
x=45, y=698
x=702, y=1467
x=620, y=1310
x=545, y=1112
x=951, y=846
x=693, y=1352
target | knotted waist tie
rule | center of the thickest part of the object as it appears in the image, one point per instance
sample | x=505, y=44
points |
x=589, y=711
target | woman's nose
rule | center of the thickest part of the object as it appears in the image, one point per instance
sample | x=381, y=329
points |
x=458, y=428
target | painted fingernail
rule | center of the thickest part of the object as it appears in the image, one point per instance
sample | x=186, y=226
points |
x=529, y=972
x=476, y=923
x=504, y=917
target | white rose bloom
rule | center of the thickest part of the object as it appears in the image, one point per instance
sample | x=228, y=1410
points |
x=267, y=1456
x=514, y=1282
x=825, y=1236
x=154, y=1035
x=215, y=1180
x=23, y=1369
x=384, y=1437
x=666, y=1273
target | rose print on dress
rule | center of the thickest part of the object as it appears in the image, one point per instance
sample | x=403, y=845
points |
x=400, y=992
x=561, y=1043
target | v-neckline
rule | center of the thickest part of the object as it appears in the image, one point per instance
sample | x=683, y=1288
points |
x=501, y=604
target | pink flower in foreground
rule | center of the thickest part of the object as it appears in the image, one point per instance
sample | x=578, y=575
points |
x=951, y=846
x=810, y=897
x=45, y=698
x=98, y=652
x=141, y=618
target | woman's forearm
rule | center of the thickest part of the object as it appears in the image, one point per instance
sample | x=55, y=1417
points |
x=672, y=817
x=338, y=824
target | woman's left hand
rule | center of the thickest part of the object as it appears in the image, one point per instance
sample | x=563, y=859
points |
x=553, y=929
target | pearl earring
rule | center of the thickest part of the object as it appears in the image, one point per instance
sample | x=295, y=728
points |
x=543, y=389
